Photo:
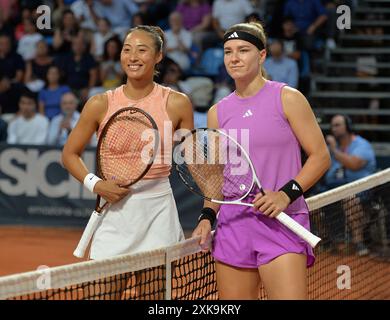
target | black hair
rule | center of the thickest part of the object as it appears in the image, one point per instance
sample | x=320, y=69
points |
x=106, y=20
x=3, y=76
x=156, y=32
x=288, y=19
x=348, y=123
x=6, y=35
x=66, y=11
x=60, y=72
x=28, y=94
x=76, y=24
x=119, y=44
x=254, y=16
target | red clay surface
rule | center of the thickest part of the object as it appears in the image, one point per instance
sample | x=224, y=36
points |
x=25, y=248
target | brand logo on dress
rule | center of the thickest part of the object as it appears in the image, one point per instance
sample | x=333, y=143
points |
x=233, y=35
x=247, y=114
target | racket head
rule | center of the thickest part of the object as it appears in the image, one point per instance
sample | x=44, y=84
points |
x=214, y=165
x=127, y=146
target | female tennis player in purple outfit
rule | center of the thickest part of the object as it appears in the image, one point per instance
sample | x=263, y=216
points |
x=249, y=245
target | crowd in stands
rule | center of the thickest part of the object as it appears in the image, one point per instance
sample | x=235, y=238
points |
x=41, y=70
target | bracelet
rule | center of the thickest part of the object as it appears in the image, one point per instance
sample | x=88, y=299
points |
x=209, y=214
x=90, y=180
x=293, y=190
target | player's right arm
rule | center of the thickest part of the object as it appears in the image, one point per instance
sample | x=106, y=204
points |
x=90, y=118
x=92, y=114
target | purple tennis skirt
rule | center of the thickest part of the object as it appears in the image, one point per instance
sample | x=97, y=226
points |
x=248, y=239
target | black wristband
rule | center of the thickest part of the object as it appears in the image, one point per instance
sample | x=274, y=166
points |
x=209, y=214
x=293, y=190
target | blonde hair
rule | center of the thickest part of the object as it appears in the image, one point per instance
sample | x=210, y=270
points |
x=255, y=29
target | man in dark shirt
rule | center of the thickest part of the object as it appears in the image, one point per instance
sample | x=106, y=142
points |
x=10, y=93
x=11, y=63
x=3, y=129
x=6, y=26
x=309, y=16
x=80, y=68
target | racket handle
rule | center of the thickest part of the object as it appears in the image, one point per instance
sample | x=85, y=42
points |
x=87, y=234
x=298, y=229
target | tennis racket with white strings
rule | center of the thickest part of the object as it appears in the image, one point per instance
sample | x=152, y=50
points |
x=125, y=152
x=215, y=166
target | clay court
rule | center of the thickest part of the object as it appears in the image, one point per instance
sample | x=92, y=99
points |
x=24, y=248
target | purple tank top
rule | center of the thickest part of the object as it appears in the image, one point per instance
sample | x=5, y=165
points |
x=273, y=147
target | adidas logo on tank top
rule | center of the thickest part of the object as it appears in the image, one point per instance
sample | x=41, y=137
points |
x=247, y=114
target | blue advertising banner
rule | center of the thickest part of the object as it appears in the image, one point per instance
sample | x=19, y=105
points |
x=36, y=189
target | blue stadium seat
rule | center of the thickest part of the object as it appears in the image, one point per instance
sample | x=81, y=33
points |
x=210, y=63
x=194, y=54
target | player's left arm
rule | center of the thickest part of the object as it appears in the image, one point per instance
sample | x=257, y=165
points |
x=305, y=127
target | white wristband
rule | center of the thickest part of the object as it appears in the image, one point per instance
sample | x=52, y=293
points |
x=90, y=180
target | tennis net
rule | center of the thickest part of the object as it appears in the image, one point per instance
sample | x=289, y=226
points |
x=352, y=260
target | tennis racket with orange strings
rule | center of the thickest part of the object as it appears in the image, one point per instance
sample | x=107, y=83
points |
x=125, y=152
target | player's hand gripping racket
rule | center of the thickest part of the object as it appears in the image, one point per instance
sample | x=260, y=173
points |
x=215, y=166
x=125, y=152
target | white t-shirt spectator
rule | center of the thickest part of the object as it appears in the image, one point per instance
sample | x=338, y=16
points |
x=230, y=12
x=119, y=13
x=200, y=119
x=82, y=12
x=28, y=131
x=27, y=45
x=56, y=135
x=99, y=41
x=180, y=57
